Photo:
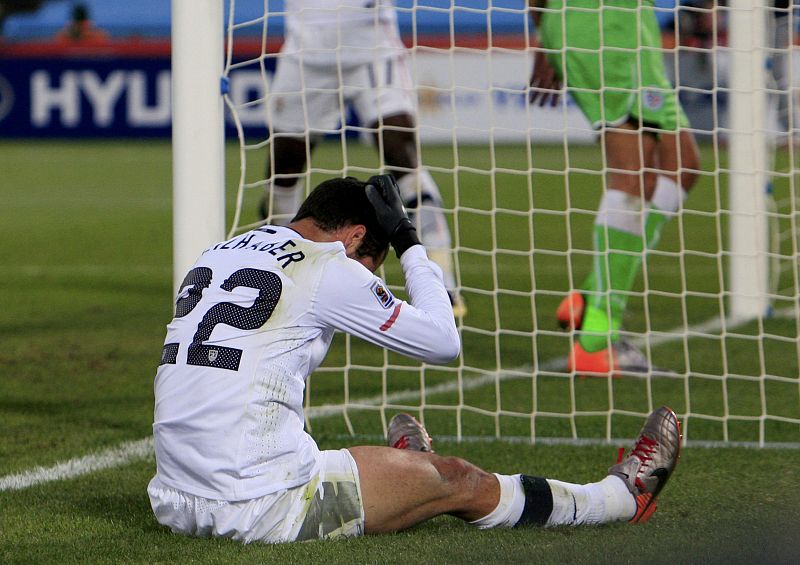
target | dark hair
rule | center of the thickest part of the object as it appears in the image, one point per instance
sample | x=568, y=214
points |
x=337, y=203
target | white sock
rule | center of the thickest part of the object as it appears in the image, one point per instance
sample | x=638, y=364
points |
x=423, y=200
x=416, y=185
x=509, y=509
x=621, y=211
x=668, y=195
x=595, y=503
x=285, y=201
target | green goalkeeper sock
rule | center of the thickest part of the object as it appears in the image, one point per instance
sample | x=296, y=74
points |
x=618, y=256
x=654, y=224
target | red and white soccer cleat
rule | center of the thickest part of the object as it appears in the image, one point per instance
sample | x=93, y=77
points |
x=569, y=313
x=650, y=463
x=405, y=432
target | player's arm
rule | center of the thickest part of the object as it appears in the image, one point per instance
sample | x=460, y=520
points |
x=352, y=299
x=545, y=84
x=423, y=329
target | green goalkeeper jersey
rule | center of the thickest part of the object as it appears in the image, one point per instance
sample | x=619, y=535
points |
x=608, y=54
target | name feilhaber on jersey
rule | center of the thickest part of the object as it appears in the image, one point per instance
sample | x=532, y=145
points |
x=281, y=250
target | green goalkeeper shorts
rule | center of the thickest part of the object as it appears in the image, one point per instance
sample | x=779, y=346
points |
x=608, y=54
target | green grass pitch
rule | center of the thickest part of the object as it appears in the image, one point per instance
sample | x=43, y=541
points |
x=86, y=286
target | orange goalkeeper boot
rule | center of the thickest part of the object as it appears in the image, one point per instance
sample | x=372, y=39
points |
x=621, y=357
x=595, y=364
x=569, y=313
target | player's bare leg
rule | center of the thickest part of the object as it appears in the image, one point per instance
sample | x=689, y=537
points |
x=285, y=191
x=619, y=245
x=397, y=140
x=678, y=165
x=679, y=158
x=629, y=151
x=648, y=180
x=401, y=488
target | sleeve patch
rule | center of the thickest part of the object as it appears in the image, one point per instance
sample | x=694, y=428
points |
x=382, y=294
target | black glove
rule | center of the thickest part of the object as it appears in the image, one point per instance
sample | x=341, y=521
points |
x=384, y=196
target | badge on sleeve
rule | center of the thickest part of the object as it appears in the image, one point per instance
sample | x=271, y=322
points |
x=379, y=290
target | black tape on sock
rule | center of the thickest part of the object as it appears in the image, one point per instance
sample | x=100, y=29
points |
x=538, y=501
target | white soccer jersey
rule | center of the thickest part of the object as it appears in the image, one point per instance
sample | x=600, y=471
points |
x=341, y=32
x=254, y=318
x=322, y=12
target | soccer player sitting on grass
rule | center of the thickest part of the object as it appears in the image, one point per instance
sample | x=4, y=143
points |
x=254, y=318
x=608, y=53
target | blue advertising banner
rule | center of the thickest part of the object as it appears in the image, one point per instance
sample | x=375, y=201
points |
x=124, y=90
x=98, y=97
x=118, y=97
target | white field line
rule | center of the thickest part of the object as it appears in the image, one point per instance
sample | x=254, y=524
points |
x=113, y=457
x=131, y=451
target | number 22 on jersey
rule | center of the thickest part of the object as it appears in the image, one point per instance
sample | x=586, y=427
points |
x=253, y=317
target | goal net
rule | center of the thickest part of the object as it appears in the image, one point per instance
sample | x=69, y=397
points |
x=714, y=308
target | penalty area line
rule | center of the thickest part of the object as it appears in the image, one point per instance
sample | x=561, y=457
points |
x=137, y=450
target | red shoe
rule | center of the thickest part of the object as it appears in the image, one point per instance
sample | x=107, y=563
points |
x=650, y=463
x=597, y=364
x=621, y=357
x=569, y=313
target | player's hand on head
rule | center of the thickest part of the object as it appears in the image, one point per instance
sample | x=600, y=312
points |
x=384, y=195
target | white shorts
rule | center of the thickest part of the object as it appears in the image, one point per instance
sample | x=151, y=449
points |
x=328, y=506
x=314, y=100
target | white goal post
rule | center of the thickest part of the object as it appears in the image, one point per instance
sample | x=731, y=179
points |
x=198, y=135
x=747, y=139
x=717, y=302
